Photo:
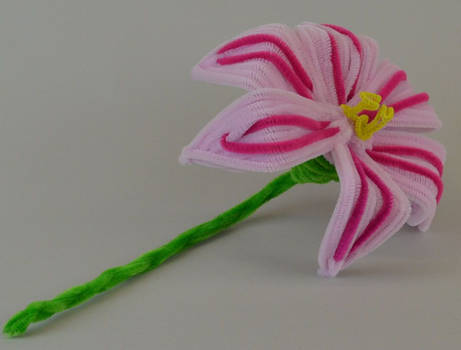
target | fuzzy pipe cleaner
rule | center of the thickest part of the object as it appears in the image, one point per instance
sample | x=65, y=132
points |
x=316, y=170
x=321, y=106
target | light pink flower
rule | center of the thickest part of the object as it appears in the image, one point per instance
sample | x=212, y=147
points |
x=298, y=78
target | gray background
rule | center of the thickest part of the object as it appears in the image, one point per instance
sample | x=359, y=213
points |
x=96, y=104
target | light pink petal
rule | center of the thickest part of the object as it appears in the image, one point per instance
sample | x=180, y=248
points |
x=316, y=61
x=353, y=65
x=268, y=130
x=334, y=58
x=418, y=170
x=265, y=57
x=414, y=113
x=342, y=63
x=412, y=110
x=370, y=208
x=389, y=217
x=351, y=186
x=369, y=66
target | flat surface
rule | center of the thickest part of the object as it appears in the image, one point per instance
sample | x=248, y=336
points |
x=96, y=104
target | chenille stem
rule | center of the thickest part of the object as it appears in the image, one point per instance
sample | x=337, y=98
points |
x=317, y=170
x=42, y=310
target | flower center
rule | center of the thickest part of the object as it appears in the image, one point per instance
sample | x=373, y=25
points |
x=364, y=128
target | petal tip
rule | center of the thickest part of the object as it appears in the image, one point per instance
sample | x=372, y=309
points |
x=196, y=72
x=184, y=158
x=425, y=225
x=331, y=269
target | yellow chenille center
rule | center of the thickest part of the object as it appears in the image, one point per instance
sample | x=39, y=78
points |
x=369, y=102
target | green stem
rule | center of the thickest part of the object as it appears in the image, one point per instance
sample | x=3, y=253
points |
x=42, y=310
x=317, y=170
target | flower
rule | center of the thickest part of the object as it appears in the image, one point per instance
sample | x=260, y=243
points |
x=322, y=90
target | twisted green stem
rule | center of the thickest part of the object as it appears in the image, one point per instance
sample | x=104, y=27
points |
x=317, y=170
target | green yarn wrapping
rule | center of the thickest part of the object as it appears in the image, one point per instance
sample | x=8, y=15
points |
x=317, y=170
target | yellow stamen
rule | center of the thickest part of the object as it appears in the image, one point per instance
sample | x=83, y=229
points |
x=369, y=102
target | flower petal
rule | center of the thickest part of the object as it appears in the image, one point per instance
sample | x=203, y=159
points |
x=268, y=130
x=353, y=70
x=394, y=210
x=352, y=185
x=412, y=111
x=418, y=170
x=370, y=209
x=342, y=62
x=369, y=65
x=321, y=62
x=264, y=57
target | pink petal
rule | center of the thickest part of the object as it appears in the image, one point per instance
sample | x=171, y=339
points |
x=408, y=139
x=268, y=130
x=412, y=111
x=423, y=188
x=315, y=61
x=370, y=209
x=369, y=66
x=358, y=46
x=265, y=57
x=389, y=217
x=351, y=186
x=335, y=56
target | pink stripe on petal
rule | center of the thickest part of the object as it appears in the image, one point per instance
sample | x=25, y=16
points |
x=207, y=147
x=277, y=61
x=347, y=32
x=358, y=46
x=337, y=71
x=409, y=166
x=282, y=45
x=387, y=89
x=393, y=82
x=413, y=151
x=410, y=101
x=382, y=214
x=277, y=147
x=402, y=104
x=287, y=119
x=355, y=216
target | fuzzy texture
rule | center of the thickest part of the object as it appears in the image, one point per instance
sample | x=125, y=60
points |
x=292, y=117
x=300, y=80
x=314, y=171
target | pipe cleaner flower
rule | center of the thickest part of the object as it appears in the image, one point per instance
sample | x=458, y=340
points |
x=323, y=106
x=320, y=90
